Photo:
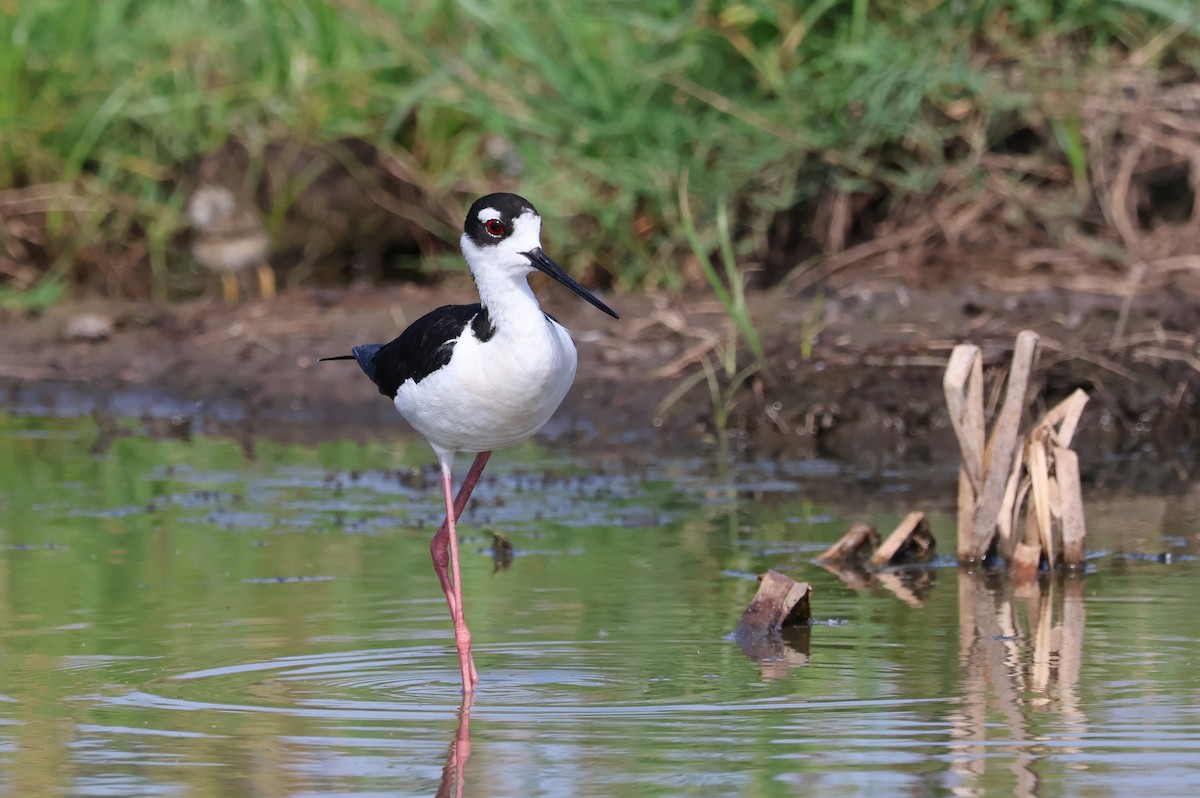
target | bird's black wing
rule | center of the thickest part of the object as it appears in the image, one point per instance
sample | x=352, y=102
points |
x=423, y=348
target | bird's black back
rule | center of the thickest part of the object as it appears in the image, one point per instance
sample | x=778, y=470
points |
x=423, y=348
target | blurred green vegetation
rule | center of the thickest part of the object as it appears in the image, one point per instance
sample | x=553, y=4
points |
x=601, y=111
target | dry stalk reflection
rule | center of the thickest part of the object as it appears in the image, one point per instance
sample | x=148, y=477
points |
x=1013, y=666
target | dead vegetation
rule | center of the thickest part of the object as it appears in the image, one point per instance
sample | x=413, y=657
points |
x=1109, y=207
x=911, y=542
x=998, y=476
x=1085, y=218
x=898, y=564
x=1004, y=476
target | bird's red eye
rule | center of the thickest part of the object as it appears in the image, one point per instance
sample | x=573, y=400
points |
x=495, y=227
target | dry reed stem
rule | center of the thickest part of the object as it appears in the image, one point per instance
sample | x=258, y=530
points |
x=1066, y=466
x=1053, y=482
x=1003, y=444
x=1039, y=475
x=1025, y=560
x=963, y=386
x=1014, y=495
x=1041, y=469
x=1065, y=415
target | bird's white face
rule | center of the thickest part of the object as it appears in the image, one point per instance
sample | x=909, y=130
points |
x=502, y=239
x=209, y=204
x=499, y=243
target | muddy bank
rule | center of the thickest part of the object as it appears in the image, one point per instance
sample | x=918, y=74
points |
x=854, y=377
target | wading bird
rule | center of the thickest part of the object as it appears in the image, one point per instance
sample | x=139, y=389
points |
x=229, y=237
x=474, y=378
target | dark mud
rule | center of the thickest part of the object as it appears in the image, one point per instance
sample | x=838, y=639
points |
x=854, y=377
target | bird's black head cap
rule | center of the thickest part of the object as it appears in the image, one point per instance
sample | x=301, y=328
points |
x=490, y=219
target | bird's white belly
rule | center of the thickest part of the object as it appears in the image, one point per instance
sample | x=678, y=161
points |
x=232, y=253
x=492, y=394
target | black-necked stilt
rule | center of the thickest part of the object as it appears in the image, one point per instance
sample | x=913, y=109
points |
x=229, y=238
x=473, y=378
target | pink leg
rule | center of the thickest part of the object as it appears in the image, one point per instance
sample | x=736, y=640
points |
x=460, y=751
x=462, y=635
x=438, y=546
x=448, y=534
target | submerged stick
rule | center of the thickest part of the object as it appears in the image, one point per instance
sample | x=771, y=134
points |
x=780, y=600
x=910, y=542
x=854, y=546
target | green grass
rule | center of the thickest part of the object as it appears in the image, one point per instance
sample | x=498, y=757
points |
x=603, y=107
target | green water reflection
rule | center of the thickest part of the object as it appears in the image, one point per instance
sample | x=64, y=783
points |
x=180, y=618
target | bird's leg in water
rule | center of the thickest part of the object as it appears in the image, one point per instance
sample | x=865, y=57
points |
x=266, y=280
x=438, y=547
x=444, y=550
x=462, y=635
x=229, y=287
x=453, y=777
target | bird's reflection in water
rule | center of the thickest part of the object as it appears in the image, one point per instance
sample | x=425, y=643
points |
x=460, y=752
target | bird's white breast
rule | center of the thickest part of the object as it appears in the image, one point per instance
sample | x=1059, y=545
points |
x=232, y=253
x=493, y=393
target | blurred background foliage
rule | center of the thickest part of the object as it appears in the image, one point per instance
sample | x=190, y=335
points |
x=614, y=117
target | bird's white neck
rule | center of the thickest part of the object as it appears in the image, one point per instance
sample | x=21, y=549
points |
x=509, y=301
x=503, y=282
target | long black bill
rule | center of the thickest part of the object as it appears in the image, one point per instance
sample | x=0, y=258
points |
x=541, y=261
x=364, y=354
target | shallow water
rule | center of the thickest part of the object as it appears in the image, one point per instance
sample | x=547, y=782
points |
x=197, y=617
